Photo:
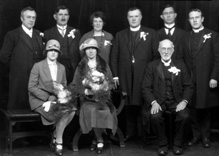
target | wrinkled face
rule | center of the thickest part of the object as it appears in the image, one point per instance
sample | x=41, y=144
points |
x=91, y=52
x=134, y=18
x=28, y=18
x=97, y=24
x=168, y=15
x=196, y=19
x=62, y=17
x=52, y=55
x=166, y=49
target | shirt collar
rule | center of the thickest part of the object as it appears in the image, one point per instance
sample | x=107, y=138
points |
x=198, y=30
x=135, y=29
x=61, y=27
x=28, y=31
x=166, y=63
x=51, y=62
x=169, y=26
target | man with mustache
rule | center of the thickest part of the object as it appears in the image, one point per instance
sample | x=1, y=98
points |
x=68, y=38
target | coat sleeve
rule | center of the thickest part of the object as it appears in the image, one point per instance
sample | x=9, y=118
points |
x=33, y=85
x=7, y=49
x=215, y=71
x=114, y=56
x=147, y=85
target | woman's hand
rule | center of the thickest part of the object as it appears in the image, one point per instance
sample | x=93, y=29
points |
x=46, y=105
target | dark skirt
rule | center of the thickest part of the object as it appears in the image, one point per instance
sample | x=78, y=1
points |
x=91, y=116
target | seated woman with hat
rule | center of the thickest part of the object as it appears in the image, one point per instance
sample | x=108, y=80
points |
x=93, y=82
x=46, y=91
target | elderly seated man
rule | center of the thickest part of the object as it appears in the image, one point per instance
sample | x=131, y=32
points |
x=167, y=86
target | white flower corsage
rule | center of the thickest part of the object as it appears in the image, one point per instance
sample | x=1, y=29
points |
x=72, y=33
x=41, y=34
x=143, y=35
x=174, y=70
x=206, y=36
x=106, y=43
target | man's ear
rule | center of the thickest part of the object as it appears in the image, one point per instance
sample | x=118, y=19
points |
x=161, y=16
x=54, y=16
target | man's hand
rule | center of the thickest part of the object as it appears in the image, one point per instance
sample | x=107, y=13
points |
x=182, y=105
x=213, y=83
x=46, y=105
x=116, y=82
x=155, y=108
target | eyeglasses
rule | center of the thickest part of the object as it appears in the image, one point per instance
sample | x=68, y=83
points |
x=166, y=49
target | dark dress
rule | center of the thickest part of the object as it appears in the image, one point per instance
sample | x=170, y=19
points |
x=92, y=115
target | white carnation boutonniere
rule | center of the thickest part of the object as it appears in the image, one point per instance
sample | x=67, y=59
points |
x=206, y=36
x=72, y=33
x=41, y=34
x=174, y=70
x=143, y=35
x=107, y=43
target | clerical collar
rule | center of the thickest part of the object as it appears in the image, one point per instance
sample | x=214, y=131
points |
x=166, y=63
x=61, y=27
x=169, y=26
x=198, y=30
x=51, y=62
x=135, y=29
x=28, y=31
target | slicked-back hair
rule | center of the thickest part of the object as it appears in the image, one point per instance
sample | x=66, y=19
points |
x=167, y=6
x=97, y=14
x=61, y=7
x=134, y=8
x=27, y=8
x=197, y=10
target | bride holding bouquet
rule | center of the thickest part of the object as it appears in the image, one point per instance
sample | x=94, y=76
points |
x=93, y=82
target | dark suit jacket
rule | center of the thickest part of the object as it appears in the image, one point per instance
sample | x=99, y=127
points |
x=40, y=83
x=207, y=67
x=154, y=87
x=71, y=58
x=121, y=61
x=176, y=38
x=18, y=55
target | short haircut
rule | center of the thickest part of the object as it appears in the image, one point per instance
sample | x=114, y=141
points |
x=134, y=8
x=167, y=6
x=195, y=9
x=97, y=14
x=25, y=9
x=61, y=7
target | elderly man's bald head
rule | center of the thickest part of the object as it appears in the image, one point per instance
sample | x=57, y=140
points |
x=166, y=49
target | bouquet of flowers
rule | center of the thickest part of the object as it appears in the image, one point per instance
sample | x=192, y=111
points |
x=65, y=103
x=97, y=88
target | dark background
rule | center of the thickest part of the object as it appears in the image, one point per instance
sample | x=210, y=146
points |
x=115, y=10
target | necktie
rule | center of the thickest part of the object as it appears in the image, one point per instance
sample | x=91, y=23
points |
x=169, y=31
x=62, y=32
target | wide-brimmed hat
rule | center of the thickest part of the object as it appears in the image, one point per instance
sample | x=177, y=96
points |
x=89, y=43
x=52, y=45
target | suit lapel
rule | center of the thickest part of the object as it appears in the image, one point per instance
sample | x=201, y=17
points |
x=25, y=38
x=127, y=39
x=172, y=75
x=39, y=40
x=58, y=77
x=46, y=70
x=160, y=70
x=201, y=42
x=70, y=39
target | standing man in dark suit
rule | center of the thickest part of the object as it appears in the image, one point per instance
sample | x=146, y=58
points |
x=201, y=55
x=68, y=37
x=22, y=48
x=167, y=86
x=170, y=31
x=133, y=49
